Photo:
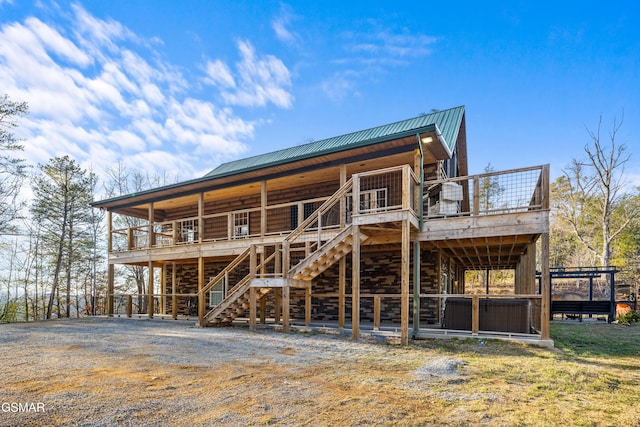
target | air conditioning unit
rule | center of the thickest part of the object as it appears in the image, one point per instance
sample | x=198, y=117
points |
x=451, y=191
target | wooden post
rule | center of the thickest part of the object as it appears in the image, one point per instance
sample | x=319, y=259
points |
x=355, y=281
x=404, y=283
x=416, y=288
x=307, y=304
x=285, y=308
x=129, y=306
x=252, y=308
x=263, y=207
x=476, y=196
x=263, y=300
x=342, y=264
x=200, y=230
x=110, y=289
x=150, y=237
x=376, y=313
x=150, y=291
x=109, y=232
x=475, y=315
x=546, y=288
x=342, y=286
x=174, y=297
x=406, y=193
x=202, y=298
x=278, y=291
x=163, y=289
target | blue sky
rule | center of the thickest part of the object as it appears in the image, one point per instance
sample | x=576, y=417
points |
x=181, y=86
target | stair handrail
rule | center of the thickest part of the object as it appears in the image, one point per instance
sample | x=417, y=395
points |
x=233, y=264
x=342, y=191
x=238, y=286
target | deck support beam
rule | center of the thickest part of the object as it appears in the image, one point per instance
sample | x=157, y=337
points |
x=110, y=288
x=404, y=284
x=150, y=291
x=355, y=284
x=285, y=308
x=546, y=288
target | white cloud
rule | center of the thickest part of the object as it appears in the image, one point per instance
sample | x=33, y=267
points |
x=263, y=79
x=370, y=53
x=99, y=93
x=218, y=74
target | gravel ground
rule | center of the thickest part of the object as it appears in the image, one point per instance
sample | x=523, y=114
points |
x=106, y=371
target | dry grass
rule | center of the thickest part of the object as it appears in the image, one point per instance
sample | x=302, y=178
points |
x=102, y=372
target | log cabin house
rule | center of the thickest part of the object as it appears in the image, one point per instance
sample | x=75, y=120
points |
x=375, y=227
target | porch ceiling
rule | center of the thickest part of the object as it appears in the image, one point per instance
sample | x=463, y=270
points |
x=498, y=252
x=319, y=170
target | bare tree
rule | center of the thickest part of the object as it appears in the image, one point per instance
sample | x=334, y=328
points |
x=608, y=184
x=591, y=196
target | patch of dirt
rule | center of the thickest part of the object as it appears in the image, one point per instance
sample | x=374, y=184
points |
x=104, y=371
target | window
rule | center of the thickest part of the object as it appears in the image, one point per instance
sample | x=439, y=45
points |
x=216, y=294
x=189, y=231
x=240, y=224
x=370, y=201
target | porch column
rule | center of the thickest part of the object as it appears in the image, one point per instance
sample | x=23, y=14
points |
x=342, y=264
x=416, y=288
x=404, y=284
x=110, y=287
x=355, y=283
x=263, y=207
x=253, y=265
x=202, y=298
x=150, y=291
x=342, y=286
x=278, y=291
x=109, y=232
x=307, y=304
x=285, y=308
x=150, y=237
x=200, y=230
x=174, y=298
x=546, y=288
x=163, y=289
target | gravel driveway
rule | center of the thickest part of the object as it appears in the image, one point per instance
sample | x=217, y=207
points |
x=109, y=371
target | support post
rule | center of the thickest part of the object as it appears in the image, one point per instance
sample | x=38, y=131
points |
x=252, y=308
x=355, y=282
x=285, y=308
x=416, y=288
x=150, y=291
x=110, y=288
x=404, y=284
x=546, y=288
x=174, y=297
x=342, y=286
x=129, y=305
x=200, y=230
x=475, y=315
x=202, y=298
x=376, y=313
x=307, y=305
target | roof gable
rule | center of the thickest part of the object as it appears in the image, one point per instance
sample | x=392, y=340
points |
x=446, y=121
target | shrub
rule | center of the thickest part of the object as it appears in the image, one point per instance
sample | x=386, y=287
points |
x=629, y=317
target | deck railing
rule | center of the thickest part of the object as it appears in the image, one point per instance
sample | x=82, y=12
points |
x=383, y=190
x=492, y=193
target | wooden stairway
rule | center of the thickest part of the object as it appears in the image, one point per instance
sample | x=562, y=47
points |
x=234, y=305
x=330, y=253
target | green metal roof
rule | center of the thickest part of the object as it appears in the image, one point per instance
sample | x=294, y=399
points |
x=446, y=121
